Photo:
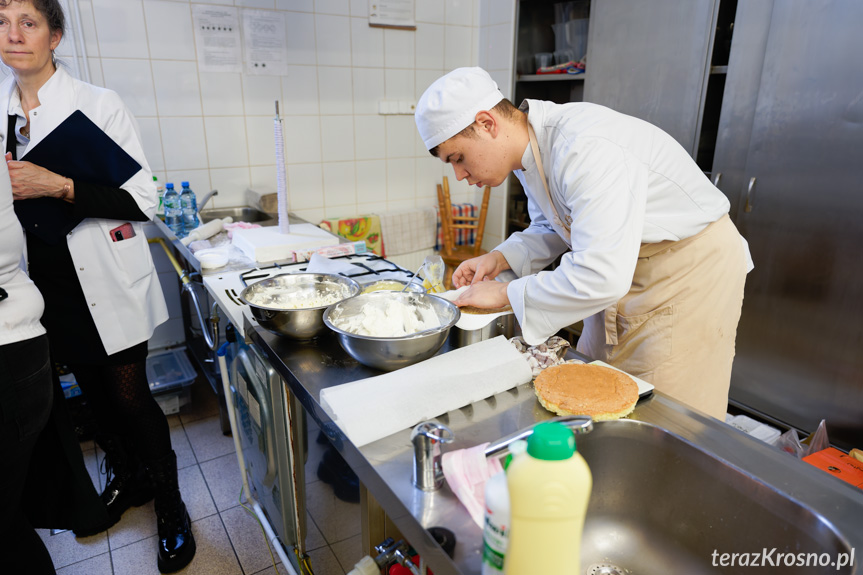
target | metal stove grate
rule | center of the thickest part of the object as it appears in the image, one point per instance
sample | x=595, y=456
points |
x=369, y=265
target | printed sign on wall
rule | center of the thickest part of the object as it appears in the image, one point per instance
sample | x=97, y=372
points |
x=217, y=38
x=265, y=43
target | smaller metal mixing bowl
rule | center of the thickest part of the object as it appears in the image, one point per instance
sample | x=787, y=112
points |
x=296, y=323
x=391, y=353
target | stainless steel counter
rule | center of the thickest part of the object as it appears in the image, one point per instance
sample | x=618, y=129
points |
x=241, y=264
x=384, y=467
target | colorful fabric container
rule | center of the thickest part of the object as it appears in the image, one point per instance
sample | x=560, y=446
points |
x=366, y=228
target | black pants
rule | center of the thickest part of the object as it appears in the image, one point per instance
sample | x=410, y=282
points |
x=25, y=404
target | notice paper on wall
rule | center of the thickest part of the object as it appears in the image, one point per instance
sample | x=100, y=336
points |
x=217, y=38
x=392, y=14
x=265, y=43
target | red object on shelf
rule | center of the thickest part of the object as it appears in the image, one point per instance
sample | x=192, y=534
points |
x=399, y=570
x=839, y=464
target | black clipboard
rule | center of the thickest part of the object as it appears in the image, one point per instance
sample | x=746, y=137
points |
x=76, y=149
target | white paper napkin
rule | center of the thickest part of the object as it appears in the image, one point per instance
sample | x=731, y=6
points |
x=471, y=321
x=319, y=264
x=369, y=409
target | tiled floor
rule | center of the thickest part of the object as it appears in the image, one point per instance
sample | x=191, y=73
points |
x=229, y=540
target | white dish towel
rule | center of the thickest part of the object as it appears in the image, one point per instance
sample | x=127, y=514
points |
x=410, y=230
x=373, y=408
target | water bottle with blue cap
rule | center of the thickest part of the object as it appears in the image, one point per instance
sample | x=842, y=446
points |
x=189, y=203
x=173, y=211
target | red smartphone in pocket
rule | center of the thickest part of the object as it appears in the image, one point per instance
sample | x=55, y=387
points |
x=123, y=232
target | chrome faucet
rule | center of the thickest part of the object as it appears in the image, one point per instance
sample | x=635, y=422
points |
x=206, y=199
x=427, y=438
x=579, y=424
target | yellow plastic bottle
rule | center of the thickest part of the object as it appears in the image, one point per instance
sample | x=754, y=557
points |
x=549, y=489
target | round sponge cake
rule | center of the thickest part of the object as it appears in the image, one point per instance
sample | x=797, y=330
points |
x=581, y=389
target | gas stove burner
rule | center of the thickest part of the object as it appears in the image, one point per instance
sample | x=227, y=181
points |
x=260, y=273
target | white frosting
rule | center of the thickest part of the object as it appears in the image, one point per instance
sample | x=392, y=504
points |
x=389, y=318
x=299, y=298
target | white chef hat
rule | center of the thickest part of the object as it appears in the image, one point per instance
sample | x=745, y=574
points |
x=452, y=102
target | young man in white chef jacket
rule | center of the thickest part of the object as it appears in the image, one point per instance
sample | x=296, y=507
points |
x=650, y=259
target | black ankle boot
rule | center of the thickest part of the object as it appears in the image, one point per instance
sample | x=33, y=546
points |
x=127, y=481
x=176, y=542
x=334, y=470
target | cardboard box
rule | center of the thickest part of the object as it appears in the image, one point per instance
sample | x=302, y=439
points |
x=838, y=464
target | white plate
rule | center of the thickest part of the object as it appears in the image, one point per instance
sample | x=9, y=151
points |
x=643, y=387
x=211, y=259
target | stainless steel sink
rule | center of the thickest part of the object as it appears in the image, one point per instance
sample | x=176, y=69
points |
x=671, y=487
x=662, y=505
x=239, y=214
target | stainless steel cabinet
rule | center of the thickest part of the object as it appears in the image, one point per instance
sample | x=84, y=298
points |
x=270, y=424
x=651, y=60
x=534, y=34
x=790, y=154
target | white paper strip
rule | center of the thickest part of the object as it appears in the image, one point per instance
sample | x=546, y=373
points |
x=369, y=409
x=471, y=321
x=281, y=175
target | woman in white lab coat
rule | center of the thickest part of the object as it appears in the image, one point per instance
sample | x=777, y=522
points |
x=649, y=257
x=102, y=294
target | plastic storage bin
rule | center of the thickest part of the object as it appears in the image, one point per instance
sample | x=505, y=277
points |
x=172, y=401
x=170, y=375
x=169, y=371
x=570, y=39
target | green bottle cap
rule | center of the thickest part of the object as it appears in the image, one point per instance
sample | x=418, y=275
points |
x=551, y=441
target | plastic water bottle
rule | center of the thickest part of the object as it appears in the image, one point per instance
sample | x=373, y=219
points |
x=173, y=211
x=189, y=203
x=160, y=191
x=549, y=488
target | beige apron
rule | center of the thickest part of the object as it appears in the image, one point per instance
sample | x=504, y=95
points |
x=677, y=326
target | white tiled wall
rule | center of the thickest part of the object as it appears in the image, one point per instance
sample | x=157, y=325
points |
x=343, y=158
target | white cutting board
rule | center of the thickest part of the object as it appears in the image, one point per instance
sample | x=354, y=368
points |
x=643, y=387
x=267, y=244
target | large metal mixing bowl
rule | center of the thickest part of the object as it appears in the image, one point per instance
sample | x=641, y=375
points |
x=297, y=323
x=391, y=353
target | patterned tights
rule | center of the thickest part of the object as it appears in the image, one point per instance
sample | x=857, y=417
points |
x=123, y=405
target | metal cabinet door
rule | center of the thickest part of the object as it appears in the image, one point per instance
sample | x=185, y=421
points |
x=255, y=416
x=651, y=60
x=799, y=341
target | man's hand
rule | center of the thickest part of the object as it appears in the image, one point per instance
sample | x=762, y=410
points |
x=485, y=295
x=474, y=270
